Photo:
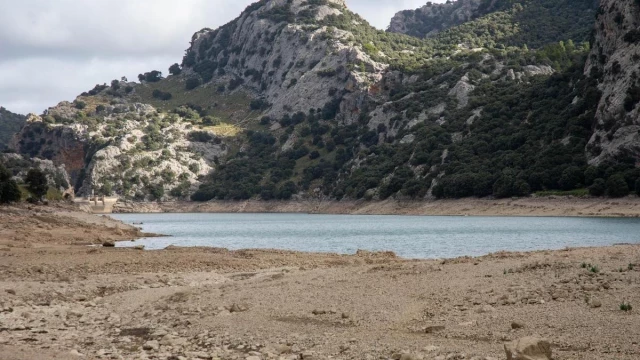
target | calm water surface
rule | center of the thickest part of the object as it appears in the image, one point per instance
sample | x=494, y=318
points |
x=407, y=236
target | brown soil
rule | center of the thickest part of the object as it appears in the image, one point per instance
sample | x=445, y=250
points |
x=534, y=206
x=59, y=300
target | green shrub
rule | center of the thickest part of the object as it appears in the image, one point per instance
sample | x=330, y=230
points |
x=36, y=183
x=598, y=188
x=152, y=76
x=9, y=189
x=161, y=95
x=175, y=69
x=192, y=83
x=617, y=186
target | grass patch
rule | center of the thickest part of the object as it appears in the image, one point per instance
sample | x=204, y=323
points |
x=224, y=129
x=625, y=306
x=233, y=108
x=591, y=268
x=576, y=193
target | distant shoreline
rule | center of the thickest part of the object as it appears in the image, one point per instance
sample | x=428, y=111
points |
x=628, y=207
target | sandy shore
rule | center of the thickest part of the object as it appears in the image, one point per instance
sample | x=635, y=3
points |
x=59, y=300
x=547, y=206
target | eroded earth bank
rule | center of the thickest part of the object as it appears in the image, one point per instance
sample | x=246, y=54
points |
x=60, y=299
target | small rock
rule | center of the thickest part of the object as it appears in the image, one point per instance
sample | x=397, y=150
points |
x=235, y=308
x=595, y=303
x=318, y=312
x=253, y=358
x=139, y=247
x=283, y=349
x=517, y=325
x=433, y=329
x=151, y=345
x=345, y=315
x=430, y=348
x=528, y=348
x=10, y=291
x=75, y=353
x=486, y=309
x=109, y=243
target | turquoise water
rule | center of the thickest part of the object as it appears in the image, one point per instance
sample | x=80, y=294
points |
x=407, y=236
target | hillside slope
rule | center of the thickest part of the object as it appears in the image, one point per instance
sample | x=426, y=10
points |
x=534, y=23
x=306, y=99
x=615, y=62
x=10, y=124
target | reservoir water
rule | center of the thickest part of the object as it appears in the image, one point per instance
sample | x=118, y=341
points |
x=407, y=236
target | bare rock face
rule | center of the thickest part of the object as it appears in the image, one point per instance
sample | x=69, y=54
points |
x=287, y=61
x=528, y=348
x=614, y=63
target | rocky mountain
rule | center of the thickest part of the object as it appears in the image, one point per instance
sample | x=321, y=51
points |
x=10, y=124
x=532, y=22
x=305, y=99
x=433, y=18
x=615, y=62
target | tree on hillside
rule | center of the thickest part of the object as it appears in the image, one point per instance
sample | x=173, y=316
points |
x=9, y=190
x=617, y=186
x=152, y=76
x=175, y=69
x=37, y=184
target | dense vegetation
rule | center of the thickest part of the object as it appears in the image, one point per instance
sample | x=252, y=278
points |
x=9, y=190
x=10, y=124
x=534, y=23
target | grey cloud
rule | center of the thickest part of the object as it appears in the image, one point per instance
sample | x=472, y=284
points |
x=53, y=50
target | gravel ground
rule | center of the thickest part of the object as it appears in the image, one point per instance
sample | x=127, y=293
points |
x=59, y=300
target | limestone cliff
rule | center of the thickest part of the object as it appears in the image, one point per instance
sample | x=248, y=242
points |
x=615, y=63
x=282, y=53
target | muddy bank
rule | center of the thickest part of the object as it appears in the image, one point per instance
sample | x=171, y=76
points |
x=26, y=225
x=547, y=206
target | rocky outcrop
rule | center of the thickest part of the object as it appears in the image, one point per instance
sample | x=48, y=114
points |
x=64, y=145
x=614, y=63
x=528, y=348
x=19, y=165
x=434, y=17
x=132, y=150
x=280, y=51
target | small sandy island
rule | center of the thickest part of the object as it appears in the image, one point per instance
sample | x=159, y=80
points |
x=60, y=299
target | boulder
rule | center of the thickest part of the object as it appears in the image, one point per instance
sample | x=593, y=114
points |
x=595, y=303
x=109, y=243
x=528, y=348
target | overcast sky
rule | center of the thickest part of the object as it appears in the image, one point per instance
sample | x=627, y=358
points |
x=52, y=50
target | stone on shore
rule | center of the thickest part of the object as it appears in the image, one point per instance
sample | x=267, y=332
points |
x=528, y=348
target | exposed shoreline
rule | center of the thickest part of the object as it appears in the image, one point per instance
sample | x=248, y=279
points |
x=62, y=300
x=544, y=206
